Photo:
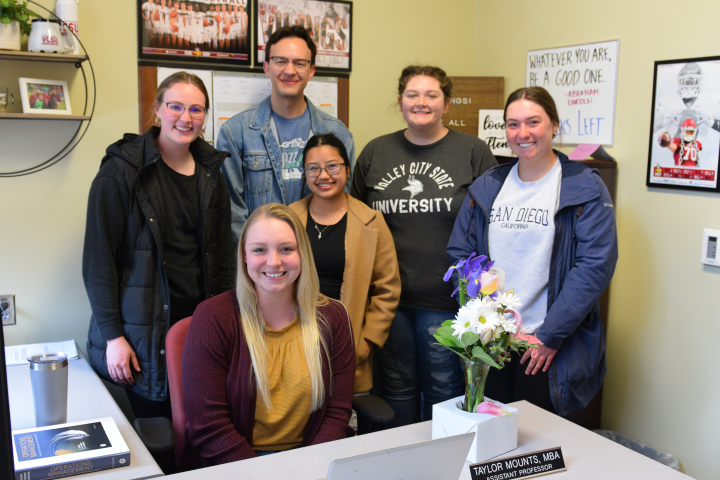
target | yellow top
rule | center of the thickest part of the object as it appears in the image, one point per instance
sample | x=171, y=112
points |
x=282, y=426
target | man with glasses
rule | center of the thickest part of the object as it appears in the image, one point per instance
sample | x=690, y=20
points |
x=266, y=143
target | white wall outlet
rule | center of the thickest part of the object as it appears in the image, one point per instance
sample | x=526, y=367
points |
x=710, y=247
x=7, y=309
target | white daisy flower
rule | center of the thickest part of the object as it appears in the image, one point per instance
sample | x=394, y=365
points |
x=508, y=300
x=508, y=325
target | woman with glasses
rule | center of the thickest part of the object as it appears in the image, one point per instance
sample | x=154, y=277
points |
x=418, y=177
x=353, y=250
x=157, y=242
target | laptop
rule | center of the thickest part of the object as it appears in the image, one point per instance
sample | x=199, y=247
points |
x=439, y=459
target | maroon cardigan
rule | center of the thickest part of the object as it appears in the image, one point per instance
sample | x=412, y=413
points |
x=219, y=390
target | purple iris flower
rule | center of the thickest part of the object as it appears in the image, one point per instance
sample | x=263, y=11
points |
x=467, y=265
x=448, y=274
x=474, y=267
x=473, y=287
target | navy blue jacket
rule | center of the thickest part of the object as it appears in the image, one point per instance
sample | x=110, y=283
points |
x=583, y=260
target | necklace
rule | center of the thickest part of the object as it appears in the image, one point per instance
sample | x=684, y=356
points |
x=320, y=232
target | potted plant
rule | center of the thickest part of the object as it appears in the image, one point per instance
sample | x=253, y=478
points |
x=14, y=20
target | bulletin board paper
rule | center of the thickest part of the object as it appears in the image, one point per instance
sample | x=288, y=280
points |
x=237, y=92
x=582, y=80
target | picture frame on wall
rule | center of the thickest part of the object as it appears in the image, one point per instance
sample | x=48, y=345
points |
x=200, y=31
x=329, y=23
x=685, y=125
x=47, y=97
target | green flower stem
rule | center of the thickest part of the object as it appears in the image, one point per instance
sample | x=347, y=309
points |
x=476, y=373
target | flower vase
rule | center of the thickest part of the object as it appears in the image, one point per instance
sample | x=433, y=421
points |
x=475, y=374
x=10, y=36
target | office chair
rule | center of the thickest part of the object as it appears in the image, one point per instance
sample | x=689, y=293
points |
x=160, y=435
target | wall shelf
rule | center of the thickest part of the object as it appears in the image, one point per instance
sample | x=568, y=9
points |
x=41, y=57
x=42, y=116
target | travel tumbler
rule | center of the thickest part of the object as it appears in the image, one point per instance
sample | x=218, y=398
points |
x=49, y=378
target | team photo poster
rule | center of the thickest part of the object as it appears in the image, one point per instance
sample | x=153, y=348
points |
x=329, y=24
x=685, y=125
x=195, y=31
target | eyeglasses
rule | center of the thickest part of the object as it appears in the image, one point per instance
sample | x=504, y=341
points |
x=314, y=171
x=177, y=109
x=300, y=64
x=430, y=98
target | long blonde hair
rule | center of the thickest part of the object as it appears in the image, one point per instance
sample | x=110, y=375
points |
x=307, y=298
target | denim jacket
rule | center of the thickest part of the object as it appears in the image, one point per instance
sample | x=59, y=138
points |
x=584, y=255
x=253, y=172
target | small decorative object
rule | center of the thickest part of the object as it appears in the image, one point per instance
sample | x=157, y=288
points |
x=14, y=21
x=483, y=332
x=6, y=98
x=45, y=96
x=49, y=36
x=67, y=11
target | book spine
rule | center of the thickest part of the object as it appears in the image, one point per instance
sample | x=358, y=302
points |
x=74, y=468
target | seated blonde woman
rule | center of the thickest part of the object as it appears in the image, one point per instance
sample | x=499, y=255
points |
x=269, y=366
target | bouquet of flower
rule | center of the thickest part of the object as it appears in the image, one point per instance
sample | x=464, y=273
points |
x=486, y=328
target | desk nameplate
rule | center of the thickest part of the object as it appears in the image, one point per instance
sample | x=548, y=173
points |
x=527, y=465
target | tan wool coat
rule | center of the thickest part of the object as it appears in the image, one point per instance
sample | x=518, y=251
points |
x=371, y=281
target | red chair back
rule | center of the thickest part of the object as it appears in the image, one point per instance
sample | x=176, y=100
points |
x=174, y=343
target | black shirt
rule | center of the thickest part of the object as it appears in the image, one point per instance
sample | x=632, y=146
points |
x=182, y=258
x=329, y=253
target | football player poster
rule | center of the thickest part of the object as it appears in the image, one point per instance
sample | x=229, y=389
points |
x=685, y=132
x=195, y=31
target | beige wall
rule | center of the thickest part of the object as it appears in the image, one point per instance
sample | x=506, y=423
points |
x=662, y=300
x=43, y=215
x=662, y=384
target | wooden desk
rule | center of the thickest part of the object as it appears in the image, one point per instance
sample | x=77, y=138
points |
x=87, y=399
x=588, y=456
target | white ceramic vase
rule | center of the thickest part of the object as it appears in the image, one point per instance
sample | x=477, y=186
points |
x=10, y=36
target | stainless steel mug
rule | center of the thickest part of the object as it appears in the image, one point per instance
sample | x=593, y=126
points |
x=49, y=378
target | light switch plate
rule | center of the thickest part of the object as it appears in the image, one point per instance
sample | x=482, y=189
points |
x=710, y=247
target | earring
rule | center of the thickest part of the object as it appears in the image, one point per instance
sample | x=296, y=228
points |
x=554, y=134
x=202, y=133
x=157, y=121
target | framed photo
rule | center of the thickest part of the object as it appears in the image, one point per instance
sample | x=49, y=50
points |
x=329, y=24
x=201, y=31
x=50, y=97
x=685, y=126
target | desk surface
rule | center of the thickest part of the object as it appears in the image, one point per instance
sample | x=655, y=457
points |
x=588, y=456
x=87, y=399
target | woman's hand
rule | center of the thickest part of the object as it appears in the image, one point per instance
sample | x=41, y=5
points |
x=540, y=357
x=119, y=357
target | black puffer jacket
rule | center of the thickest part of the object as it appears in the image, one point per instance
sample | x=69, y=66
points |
x=123, y=268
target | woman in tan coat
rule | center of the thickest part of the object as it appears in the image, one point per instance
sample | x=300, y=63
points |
x=353, y=249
